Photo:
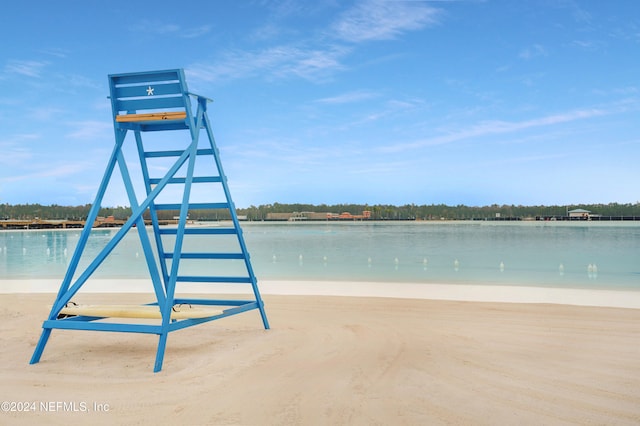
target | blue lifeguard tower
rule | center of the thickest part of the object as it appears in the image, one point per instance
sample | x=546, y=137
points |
x=142, y=103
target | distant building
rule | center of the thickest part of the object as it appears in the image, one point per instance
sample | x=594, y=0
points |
x=579, y=214
x=279, y=216
x=315, y=215
x=348, y=216
x=302, y=216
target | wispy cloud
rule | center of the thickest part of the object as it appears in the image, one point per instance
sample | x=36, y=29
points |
x=586, y=44
x=316, y=58
x=57, y=52
x=294, y=8
x=16, y=149
x=196, y=31
x=522, y=159
x=164, y=28
x=578, y=13
x=278, y=61
x=627, y=90
x=26, y=68
x=349, y=97
x=390, y=108
x=534, y=51
x=90, y=130
x=75, y=80
x=46, y=171
x=21, y=138
x=281, y=12
x=498, y=127
x=45, y=113
x=281, y=155
x=383, y=20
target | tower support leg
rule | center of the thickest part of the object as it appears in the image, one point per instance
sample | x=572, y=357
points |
x=44, y=337
x=162, y=344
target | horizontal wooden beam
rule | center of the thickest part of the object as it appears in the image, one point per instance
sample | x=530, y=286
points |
x=155, y=116
x=139, y=311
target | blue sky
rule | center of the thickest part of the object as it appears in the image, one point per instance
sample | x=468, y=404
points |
x=326, y=101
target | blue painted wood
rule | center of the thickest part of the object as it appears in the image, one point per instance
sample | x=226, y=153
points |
x=234, y=218
x=142, y=232
x=213, y=279
x=102, y=326
x=158, y=154
x=200, y=231
x=196, y=179
x=142, y=93
x=193, y=206
x=147, y=77
x=141, y=105
x=65, y=297
x=224, y=256
x=155, y=126
x=213, y=302
x=152, y=211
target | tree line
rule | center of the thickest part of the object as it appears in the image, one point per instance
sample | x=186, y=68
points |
x=55, y=211
x=378, y=211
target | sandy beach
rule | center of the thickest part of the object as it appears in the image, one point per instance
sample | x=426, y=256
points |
x=332, y=360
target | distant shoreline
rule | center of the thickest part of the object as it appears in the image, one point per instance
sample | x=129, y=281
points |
x=340, y=212
x=358, y=222
x=395, y=290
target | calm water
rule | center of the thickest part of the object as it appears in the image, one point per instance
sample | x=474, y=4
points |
x=557, y=254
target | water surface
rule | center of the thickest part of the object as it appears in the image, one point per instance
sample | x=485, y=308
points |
x=554, y=254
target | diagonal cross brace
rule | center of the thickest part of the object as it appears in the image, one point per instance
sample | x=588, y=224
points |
x=71, y=291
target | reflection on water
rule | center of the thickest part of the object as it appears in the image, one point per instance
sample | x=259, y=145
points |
x=591, y=255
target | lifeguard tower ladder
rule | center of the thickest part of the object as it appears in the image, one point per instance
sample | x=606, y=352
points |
x=159, y=101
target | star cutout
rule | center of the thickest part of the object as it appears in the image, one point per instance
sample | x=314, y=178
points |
x=149, y=91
